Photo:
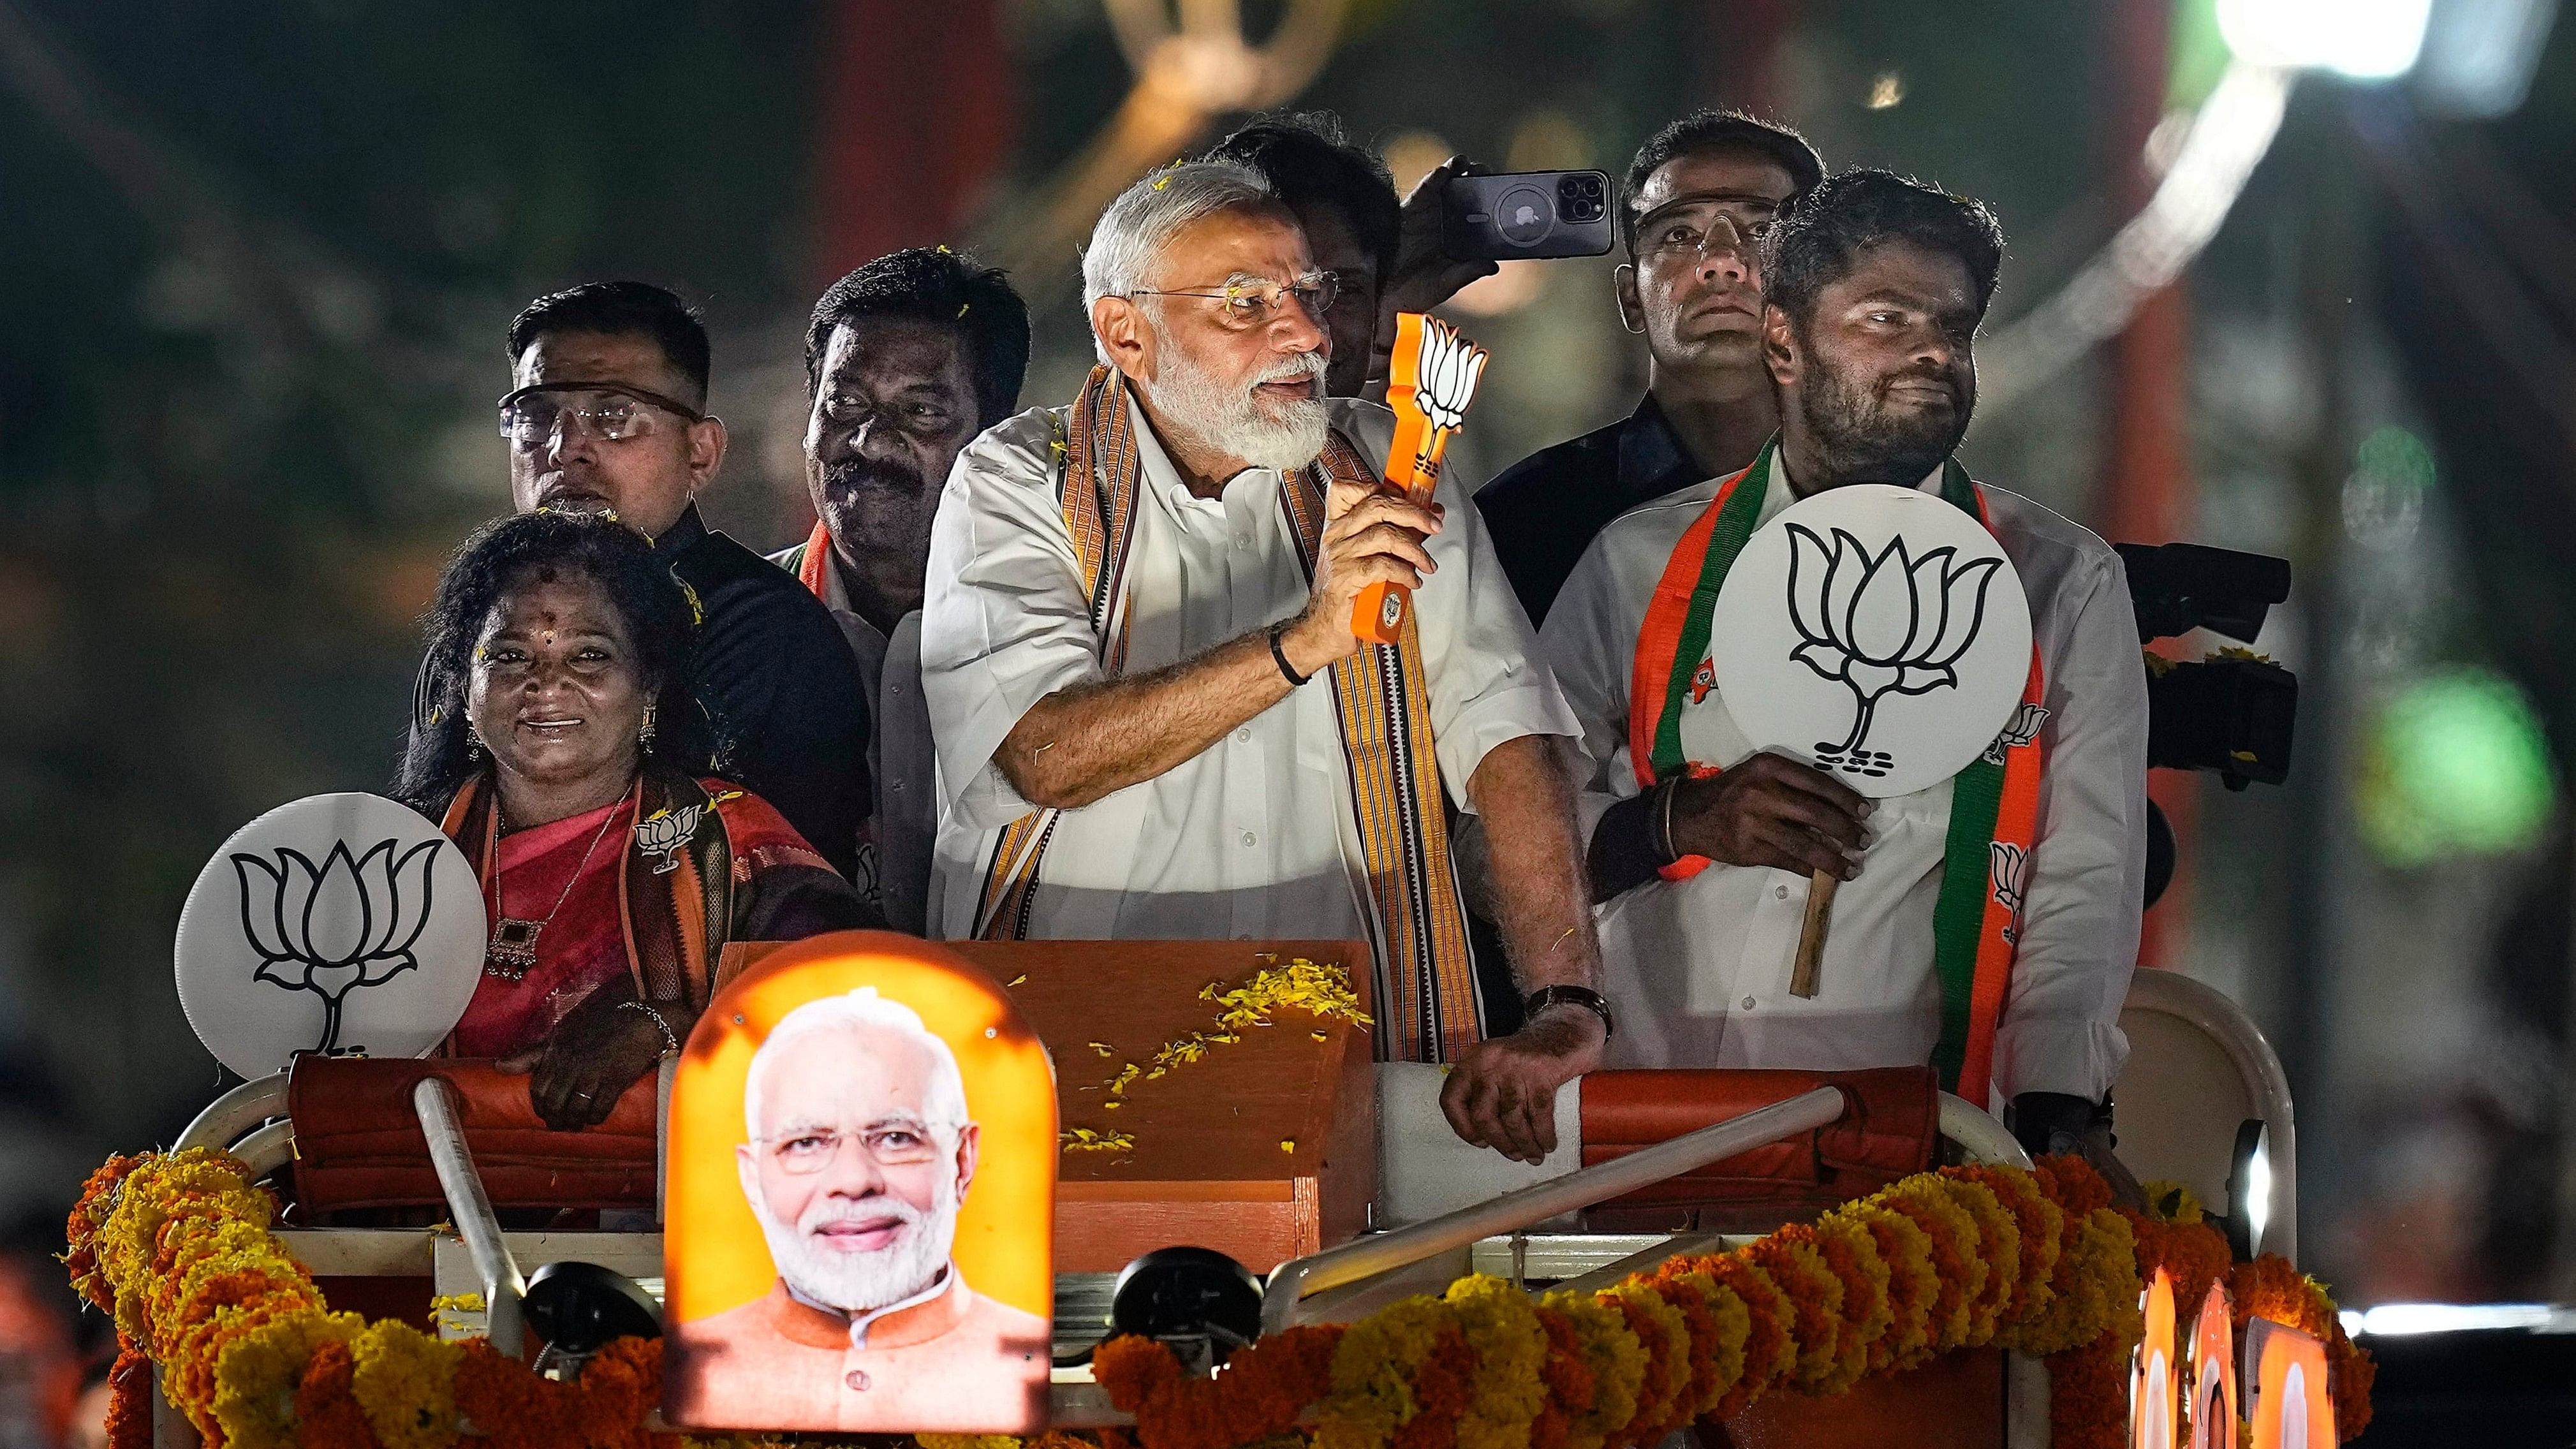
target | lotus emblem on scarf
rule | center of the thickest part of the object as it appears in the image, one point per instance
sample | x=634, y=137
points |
x=2012, y=878
x=1893, y=624
x=2027, y=721
x=663, y=832
x=344, y=925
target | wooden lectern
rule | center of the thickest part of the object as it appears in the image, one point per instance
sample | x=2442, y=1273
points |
x=1265, y=1149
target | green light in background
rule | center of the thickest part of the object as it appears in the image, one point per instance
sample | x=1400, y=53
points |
x=2455, y=765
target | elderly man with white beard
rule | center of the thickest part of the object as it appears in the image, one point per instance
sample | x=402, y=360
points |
x=1125, y=597
x=861, y=1151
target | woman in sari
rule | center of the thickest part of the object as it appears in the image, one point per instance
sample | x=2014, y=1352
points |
x=558, y=651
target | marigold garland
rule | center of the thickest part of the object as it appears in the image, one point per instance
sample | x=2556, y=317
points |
x=177, y=1247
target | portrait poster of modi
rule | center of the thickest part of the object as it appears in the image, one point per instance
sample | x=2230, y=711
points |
x=860, y=1199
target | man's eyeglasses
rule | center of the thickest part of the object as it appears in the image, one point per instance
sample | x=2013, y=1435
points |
x=611, y=411
x=892, y=1144
x=1680, y=233
x=1257, y=301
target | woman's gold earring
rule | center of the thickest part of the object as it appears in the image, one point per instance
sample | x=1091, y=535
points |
x=473, y=746
x=644, y=736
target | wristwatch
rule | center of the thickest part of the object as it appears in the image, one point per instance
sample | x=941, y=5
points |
x=1583, y=996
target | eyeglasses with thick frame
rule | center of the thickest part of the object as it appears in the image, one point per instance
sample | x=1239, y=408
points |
x=895, y=1143
x=607, y=410
x=1257, y=301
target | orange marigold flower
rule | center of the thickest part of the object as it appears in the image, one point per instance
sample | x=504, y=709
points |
x=326, y=1412
x=1439, y=1394
x=1769, y=1344
x=1130, y=1367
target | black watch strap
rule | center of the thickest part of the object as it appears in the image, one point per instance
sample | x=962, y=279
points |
x=1583, y=996
x=1279, y=656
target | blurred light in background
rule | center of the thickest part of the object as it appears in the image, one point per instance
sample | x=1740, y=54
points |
x=2454, y=765
x=2480, y=55
x=2383, y=500
x=2361, y=39
x=1412, y=155
x=1548, y=141
x=1885, y=91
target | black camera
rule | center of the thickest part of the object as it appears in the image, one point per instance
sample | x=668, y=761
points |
x=2231, y=714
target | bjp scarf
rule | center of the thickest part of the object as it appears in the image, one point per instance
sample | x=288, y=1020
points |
x=1426, y=996
x=1994, y=802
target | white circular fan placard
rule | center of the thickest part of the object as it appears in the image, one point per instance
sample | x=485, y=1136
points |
x=1878, y=633
x=337, y=923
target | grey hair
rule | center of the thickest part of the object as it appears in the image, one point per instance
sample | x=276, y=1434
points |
x=943, y=1097
x=1146, y=216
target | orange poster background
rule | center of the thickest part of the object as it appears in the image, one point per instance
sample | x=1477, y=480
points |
x=714, y=1257
x=2285, y=1348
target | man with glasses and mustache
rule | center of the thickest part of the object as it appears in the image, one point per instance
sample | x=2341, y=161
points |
x=909, y=357
x=1153, y=716
x=861, y=1151
x=1696, y=200
x=1874, y=289
x=607, y=414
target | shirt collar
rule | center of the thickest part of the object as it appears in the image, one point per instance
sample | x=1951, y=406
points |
x=1777, y=500
x=939, y=1317
x=682, y=535
x=1651, y=460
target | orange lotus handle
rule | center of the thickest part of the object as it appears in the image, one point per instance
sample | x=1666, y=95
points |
x=1430, y=380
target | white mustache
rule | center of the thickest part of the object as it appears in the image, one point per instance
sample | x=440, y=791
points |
x=824, y=1214
x=1304, y=364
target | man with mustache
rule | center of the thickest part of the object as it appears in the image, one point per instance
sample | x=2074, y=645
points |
x=607, y=414
x=1693, y=207
x=1127, y=599
x=908, y=357
x=1874, y=289
x=861, y=1151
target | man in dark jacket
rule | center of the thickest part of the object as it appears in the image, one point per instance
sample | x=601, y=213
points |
x=1696, y=197
x=607, y=413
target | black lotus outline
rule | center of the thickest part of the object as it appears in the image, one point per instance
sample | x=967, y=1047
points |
x=378, y=956
x=1828, y=646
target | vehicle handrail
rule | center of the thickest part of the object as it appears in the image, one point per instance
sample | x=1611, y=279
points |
x=435, y=1100
x=1382, y=1252
x=235, y=1112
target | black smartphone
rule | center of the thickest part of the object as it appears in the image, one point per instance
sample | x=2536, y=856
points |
x=1526, y=215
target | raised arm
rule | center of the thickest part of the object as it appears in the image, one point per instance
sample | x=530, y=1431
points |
x=1086, y=740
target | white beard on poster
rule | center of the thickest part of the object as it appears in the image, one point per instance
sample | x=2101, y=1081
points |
x=866, y=1281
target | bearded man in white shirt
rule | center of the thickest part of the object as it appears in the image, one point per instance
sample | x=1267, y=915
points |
x=1125, y=598
x=1874, y=287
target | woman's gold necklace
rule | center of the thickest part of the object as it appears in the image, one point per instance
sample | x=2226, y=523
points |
x=513, y=951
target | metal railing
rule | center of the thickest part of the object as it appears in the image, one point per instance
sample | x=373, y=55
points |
x=503, y=1286
x=1367, y=1257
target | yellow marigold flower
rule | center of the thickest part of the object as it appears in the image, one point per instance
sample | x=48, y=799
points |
x=1673, y=1353
x=256, y=1373
x=2171, y=1202
x=1505, y=1394
x=1373, y=1367
x=1999, y=1246
x=405, y=1383
x=1924, y=1195
x=1913, y=1282
x=1617, y=1361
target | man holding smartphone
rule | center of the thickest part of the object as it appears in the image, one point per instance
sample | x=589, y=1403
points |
x=1696, y=197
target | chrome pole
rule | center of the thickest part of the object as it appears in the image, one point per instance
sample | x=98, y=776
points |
x=1383, y=1252
x=435, y=1101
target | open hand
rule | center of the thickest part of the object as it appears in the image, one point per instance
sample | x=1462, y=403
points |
x=1772, y=811
x=1371, y=536
x=593, y=1055
x=1502, y=1093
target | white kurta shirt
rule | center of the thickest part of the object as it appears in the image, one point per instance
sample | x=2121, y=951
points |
x=894, y=844
x=1254, y=837
x=1698, y=970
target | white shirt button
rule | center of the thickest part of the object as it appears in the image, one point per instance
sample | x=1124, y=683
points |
x=1249, y=839
x=1243, y=540
x=1781, y=891
x=1243, y=736
x=857, y=1379
x=1748, y=1003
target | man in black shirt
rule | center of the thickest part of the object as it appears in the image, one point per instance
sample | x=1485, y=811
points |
x=607, y=413
x=1695, y=198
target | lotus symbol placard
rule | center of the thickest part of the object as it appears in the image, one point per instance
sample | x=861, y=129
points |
x=2011, y=875
x=1878, y=625
x=343, y=926
x=340, y=923
x=1879, y=633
